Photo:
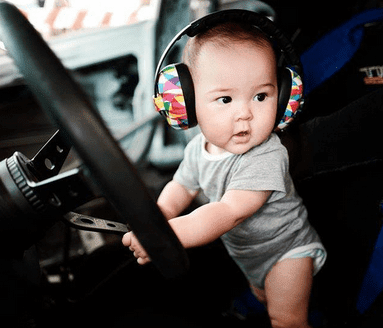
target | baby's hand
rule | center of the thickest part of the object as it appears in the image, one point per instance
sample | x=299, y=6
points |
x=131, y=241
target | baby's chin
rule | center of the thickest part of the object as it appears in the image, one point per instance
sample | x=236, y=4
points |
x=239, y=148
x=236, y=145
x=242, y=149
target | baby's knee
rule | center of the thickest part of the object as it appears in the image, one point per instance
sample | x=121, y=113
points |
x=281, y=320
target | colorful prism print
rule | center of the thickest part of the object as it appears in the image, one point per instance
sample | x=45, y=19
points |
x=295, y=103
x=170, y=99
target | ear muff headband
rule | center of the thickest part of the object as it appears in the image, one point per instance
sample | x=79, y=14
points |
x=174, y=93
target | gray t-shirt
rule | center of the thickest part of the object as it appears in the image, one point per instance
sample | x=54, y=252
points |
x=279, y=226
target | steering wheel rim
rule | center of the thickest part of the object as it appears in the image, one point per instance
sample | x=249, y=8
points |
x=69, y=107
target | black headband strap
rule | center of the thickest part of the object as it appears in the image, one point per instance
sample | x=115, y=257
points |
x=234, y=15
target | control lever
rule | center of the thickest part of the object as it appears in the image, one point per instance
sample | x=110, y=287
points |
x=89, y=223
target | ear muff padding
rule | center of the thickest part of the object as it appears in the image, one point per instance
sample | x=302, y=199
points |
x=188, y=92
x=284, y=91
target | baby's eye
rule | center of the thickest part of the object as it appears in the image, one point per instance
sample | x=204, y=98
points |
x=224, y=100
x=260, y=97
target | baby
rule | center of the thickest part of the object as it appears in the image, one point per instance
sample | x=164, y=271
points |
x=242, y=167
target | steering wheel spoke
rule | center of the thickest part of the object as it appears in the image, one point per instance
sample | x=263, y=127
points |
x=90, y=223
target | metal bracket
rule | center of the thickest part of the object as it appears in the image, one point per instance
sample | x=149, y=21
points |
x=51, y=157
x=65, y=191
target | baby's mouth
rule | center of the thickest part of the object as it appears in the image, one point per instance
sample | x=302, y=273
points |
x=242, y=134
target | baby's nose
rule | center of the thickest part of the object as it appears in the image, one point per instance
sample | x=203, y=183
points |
x=244, y=112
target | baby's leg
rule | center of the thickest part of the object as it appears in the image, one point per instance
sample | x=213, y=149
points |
x=287, y=291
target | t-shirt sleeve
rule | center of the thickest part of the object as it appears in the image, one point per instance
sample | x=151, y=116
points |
x=187, y=172
x=262, y=171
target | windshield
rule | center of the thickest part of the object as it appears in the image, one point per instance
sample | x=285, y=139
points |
x=54, y=18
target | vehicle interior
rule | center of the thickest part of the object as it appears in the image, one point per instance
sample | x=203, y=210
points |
x=84, y=156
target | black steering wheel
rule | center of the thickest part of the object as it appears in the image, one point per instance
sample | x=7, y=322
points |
x=83, y=128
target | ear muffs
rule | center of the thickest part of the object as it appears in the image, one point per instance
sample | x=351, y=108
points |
x=176, y=101
x=174, y=90
x=175, y=96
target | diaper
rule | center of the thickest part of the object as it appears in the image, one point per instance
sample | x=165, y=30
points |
x=314, y=250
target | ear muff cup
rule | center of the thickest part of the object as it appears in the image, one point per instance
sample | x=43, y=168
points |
x=291, y=88
x=176, y=98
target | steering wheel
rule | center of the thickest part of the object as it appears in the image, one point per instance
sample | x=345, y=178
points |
x=83, y=128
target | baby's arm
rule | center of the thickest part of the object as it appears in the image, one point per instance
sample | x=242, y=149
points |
x=210, y=221
x=174, y=199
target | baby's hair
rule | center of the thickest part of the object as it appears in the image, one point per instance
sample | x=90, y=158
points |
x=224, y=35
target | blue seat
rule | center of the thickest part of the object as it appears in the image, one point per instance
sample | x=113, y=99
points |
x=321, y=61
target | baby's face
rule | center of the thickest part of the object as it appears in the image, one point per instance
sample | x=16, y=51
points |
x=236, y=96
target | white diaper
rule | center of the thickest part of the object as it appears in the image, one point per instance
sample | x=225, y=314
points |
x=315, y=250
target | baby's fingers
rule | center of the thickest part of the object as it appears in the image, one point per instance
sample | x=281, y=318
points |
x=141, y=256
x=143, y=260
x=127, y=239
